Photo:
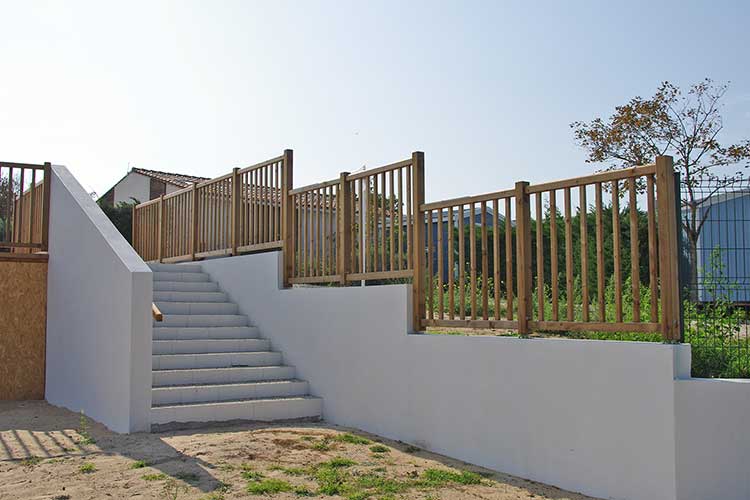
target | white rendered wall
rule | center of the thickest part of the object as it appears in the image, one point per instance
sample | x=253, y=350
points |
x=134, y=185
x=99, y=294
x=590, y=416
x=713, y=439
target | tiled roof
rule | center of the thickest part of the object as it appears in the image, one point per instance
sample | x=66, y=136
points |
x=179, y=180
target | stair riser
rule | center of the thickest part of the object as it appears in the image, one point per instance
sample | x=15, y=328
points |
x=176, y=268
x=209, y=346
x=190, y=297
x=219, y=360
x=202, y=333
x=182, y=286
x=263, y=410
x=222, y=376
x=182, y=277
x=178, y=395
x=183, y=320
x=197, y=307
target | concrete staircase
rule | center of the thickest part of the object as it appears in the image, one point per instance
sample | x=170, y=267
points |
x=209, y=364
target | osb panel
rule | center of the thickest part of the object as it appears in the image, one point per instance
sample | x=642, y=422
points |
x=23, y=319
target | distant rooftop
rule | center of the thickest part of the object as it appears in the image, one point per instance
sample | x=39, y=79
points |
x=180, y=180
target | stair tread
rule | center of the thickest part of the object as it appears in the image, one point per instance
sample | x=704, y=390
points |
x=235, y=401
x=164, y=370
x=216, y=353
x=230, y=384
x=213, y=339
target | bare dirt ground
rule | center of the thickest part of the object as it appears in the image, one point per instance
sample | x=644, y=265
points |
x=50, y=453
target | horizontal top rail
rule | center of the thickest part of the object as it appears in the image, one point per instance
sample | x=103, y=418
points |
x=30, y=166
x=466, y=200
x=610, y=175
x=313, y=187
x=379, y=170
x=261, y=164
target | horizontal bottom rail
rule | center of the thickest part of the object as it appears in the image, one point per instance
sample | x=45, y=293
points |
x=575, y=326
x=578, y=326
x=380, y=275
x=19, y=245
x=328, y=278
x=24, y=257
x=258, y=247
x=473, y=323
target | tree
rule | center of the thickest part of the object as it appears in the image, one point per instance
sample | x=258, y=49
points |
x=121, y=216
x=685, y=125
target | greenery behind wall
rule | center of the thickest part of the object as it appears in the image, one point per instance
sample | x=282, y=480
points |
x=121, y=216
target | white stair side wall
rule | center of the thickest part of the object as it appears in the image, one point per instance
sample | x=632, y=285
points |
x=99, y=332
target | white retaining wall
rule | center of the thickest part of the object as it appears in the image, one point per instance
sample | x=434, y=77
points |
x=596, y=417
x=713, y=439
x=99, y=295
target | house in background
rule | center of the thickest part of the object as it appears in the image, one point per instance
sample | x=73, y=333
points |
x=144, y=185
x=723, y=250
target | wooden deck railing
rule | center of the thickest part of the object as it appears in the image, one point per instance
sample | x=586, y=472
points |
x=532, y=257
x=24, y=209
x=237, y=212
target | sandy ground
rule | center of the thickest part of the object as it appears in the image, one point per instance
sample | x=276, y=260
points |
x=49, y=453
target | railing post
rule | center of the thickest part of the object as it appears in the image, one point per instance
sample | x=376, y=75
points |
x=343, y=227
x=194, y=221
x=523, y=256
x=418, y=258
x=133, y=228
x=45, y=206
x=668, y=231
x=235, y=209
x=160, y=244
x=287, y=215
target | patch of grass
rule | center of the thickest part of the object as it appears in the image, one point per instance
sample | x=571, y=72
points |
x=379, y=448
x=380, y=485
x=250, y=474
x=301, y=491
x=139, y=464
x=269, y=487
x=290, y=471
x=351, y=439
x=339, y=462
x=154, y=477
x=322, y=445
x=331, y=481
x=441, y=477
x=87, y=468
x=83, y=430
x=31, y=461
x=412, y=449
x=172, y=490
x=307, y=438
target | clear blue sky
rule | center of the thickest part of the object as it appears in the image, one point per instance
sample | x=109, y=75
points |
x=486, y=89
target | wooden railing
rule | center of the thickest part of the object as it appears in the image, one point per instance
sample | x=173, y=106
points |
x=237, y=212
x=355, y=228
x=24, y=209
x=500, y=277
x=533, y=257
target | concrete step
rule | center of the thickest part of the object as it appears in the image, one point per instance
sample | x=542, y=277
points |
x=197, y=307
x=214, y=360
x=185, y=286
x=203, y=320
x=175, y=268
x=181, y=277
x=228, y=392
x=197, y=346
x=205, y=332
x=221, y=375
x=248, y=409
x=167, y=296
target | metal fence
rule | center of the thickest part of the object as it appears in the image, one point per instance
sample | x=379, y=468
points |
x=716, y=276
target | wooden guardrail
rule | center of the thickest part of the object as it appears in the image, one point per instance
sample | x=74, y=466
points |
x=237, y=212
x=507, y=259
x=24, y=209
